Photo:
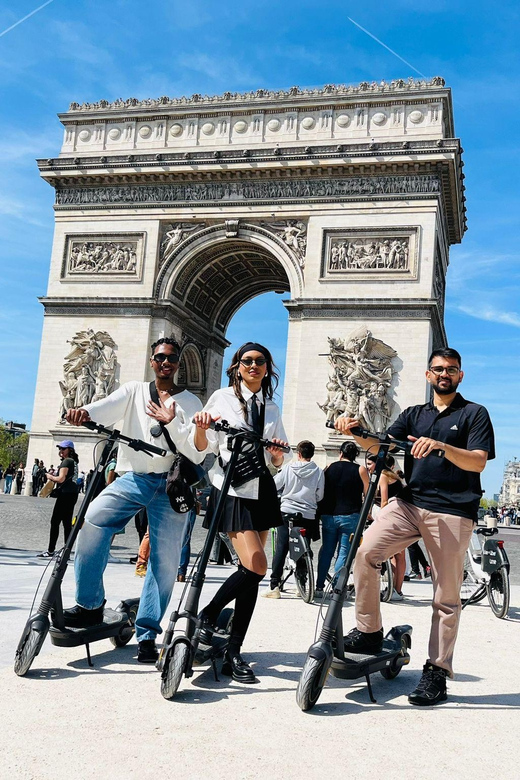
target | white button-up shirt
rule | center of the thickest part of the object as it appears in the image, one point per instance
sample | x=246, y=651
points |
x=128, y=405
x=225, y=403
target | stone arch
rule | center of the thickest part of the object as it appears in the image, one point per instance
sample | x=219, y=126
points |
x=192, y=374
x=215, y=271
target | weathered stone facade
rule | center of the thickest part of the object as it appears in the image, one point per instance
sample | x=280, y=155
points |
x=172, y=213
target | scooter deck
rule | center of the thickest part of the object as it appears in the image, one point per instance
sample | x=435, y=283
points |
x=217, y=649
x=355, y=665
x=73, y=637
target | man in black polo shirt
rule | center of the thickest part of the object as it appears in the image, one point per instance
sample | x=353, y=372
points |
x=453, y=439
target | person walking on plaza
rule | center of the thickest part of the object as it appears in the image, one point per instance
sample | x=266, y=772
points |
x=452, y=441
x=19, y=478
x=34, y=476
x=251, y=509
x=346, y=482
x=67, y=494
x=9, y=474
x=300, y=486
x=142, y=484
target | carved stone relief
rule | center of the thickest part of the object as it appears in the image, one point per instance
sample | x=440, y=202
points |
x=330, y=189
x=360, y=380
x=89, y=370
x=365, y=253
x=173, y=234
x=294, y=235
x=103, y=255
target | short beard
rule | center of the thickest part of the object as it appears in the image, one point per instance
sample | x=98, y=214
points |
x=446, y=390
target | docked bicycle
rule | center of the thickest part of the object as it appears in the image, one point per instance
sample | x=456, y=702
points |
x=486, y=572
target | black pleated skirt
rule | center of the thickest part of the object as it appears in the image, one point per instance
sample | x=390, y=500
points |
x=247, y=514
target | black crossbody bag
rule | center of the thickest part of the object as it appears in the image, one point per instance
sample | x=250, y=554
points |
x=183, y=474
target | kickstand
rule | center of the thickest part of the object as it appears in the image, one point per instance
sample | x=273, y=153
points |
x=89, y=659
x=369, y=686
x=214, y=665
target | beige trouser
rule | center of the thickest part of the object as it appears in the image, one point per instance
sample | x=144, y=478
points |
x=446, y=538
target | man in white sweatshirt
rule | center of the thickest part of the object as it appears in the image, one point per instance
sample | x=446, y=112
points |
x=142, y=484
x=300, y=485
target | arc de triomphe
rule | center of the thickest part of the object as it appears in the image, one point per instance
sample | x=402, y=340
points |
x=172, y=213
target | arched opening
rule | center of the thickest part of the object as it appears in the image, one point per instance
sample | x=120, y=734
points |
x=192, y=374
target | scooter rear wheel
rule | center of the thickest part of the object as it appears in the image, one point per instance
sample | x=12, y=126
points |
x=498, y=592
x=309, y=686
x=174, y=668
x=128, y=630
x=304, y=576
x=391, y=671
x=30, y=648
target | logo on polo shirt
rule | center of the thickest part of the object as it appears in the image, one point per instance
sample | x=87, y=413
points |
x=454, y=428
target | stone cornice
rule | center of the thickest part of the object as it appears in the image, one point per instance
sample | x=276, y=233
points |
x=259, y=97
x=339, y=153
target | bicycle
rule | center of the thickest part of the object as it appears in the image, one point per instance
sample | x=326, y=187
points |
x=486, y=573
x=298, y=562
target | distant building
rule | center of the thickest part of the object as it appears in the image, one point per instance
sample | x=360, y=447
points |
x=510, y=492
x=15, y=429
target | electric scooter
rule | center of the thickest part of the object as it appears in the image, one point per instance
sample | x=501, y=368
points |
x=182, y=651
x=118, y=624
x=328, y=652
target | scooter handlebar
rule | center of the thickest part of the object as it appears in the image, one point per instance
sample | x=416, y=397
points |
x=383, y=437
x=136, y=444
x=225, y=427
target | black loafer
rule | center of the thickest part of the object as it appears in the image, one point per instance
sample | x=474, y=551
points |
x=147, y=652
x=79, y=617
x=234, y=666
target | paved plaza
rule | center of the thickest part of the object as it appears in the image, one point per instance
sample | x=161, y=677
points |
x=64, y=719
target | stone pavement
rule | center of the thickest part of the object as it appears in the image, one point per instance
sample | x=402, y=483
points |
x=65, y=719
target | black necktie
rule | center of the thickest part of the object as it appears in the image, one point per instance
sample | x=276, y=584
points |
x=255, y=416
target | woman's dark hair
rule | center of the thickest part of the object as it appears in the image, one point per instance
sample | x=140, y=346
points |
x=349, y=450
x=306, y=449
x=73, y=454
x=269, y=382
x=169, y=341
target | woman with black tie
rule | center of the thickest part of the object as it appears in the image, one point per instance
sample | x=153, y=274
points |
x=250, y=509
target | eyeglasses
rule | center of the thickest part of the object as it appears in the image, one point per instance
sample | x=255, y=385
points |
x=248, y=362
x=439, y=370
x=162, y=358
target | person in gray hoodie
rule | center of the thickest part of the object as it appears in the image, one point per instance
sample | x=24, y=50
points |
x=301, y=485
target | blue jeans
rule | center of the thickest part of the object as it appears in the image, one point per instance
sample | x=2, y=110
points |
x=334, y=529
x=186, y=542
x=8, y=483
x=109, y=513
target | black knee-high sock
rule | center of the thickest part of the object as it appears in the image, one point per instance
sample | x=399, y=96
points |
x=244, y=607
x=235, y=587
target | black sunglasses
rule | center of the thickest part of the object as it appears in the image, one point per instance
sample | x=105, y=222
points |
x=162, y=358
x=248, y=362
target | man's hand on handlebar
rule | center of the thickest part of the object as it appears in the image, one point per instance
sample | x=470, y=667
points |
x=345, y=424
x=423, y=446
x=77, y=416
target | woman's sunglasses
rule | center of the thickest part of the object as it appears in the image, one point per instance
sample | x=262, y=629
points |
x=248, y=362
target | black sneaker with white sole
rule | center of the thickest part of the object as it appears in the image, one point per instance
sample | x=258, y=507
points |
x=431, y=688
x=147, y=652
x=360, y=642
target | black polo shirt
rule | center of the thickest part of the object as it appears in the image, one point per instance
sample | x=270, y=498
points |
x=435, y=483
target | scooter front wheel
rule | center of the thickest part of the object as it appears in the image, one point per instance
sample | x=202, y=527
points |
x=174, y=667
x=309, y=686
x=29, y=647
x=498, y=592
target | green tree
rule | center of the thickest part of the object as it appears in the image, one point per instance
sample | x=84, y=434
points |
x=13, y=448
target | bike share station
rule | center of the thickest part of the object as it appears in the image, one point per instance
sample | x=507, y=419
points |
x=118, y=624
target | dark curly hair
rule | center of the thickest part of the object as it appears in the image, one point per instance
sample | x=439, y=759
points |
x=169, y=341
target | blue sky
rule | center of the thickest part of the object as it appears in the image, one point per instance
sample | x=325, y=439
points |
x=85, y=50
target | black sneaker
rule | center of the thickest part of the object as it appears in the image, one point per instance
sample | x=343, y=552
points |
x=431, y=688
x=360, y=642
x=147, y=652
x=79, y=617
